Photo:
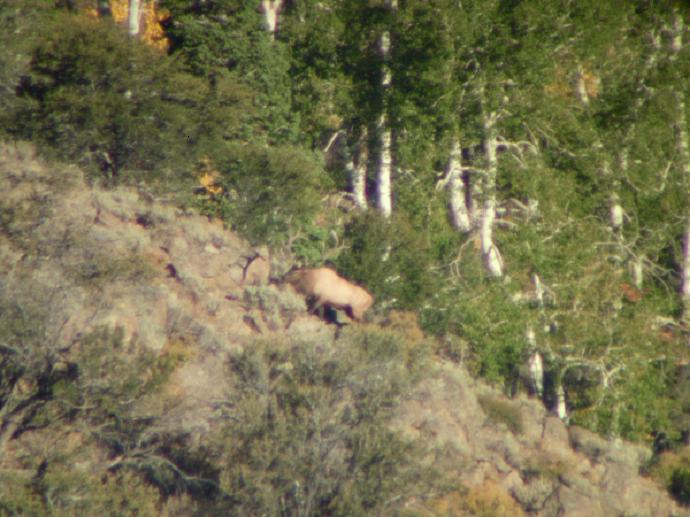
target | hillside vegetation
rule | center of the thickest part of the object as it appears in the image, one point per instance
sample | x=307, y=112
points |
x=142, y=376
x=510, y=180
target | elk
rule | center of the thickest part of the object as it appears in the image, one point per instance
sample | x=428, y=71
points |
x=327, y=288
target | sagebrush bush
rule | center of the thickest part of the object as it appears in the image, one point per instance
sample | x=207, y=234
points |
x=70, y=418
x=63, y=409
x=307, y=430
x=274, y=307
x=502, y=411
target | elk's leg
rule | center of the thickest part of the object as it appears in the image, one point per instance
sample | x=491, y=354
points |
x=316, y=304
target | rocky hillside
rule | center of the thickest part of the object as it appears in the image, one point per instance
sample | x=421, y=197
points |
x=170, y=281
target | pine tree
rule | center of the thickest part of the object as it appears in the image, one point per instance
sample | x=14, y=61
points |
x=225, y=40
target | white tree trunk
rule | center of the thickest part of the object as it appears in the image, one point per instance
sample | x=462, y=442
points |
x=677, y=32
x=616, y=214
x=475, y=207
x=385, y=162
x=271, y=9
x=358, y=173
x=561, y=408
x=490, y=253
x=636, y=270
x=385, y=195
x=459, y=211
x=134, y=17
x=535, y=364
x=536, y=371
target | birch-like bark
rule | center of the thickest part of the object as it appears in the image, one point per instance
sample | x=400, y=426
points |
x=385, y=195
x=636, y=271
x=459, y=211
x=475, y=187
x=134, y=17
x=490, y=254
x=535, y=364
x=271, y=9
x=383, y=180
x=358, y=173
x=561, y=407
x=616, y=214
x=615, y=207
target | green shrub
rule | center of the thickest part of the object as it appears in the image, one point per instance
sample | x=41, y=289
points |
x=269, y=191
x=390, y=258
x=22, y=22
x=227, y=40
x=98, y=269
x=489, y=325
x=114, y=105
x=68, y=406
x=62, y=410
x=307, y=429
x=62, y=490
x=680, y=485
x=313, y=247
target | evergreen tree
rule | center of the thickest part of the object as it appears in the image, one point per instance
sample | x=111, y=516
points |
x=225, y=40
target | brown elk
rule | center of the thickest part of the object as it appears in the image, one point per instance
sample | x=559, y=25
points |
x=327, y=288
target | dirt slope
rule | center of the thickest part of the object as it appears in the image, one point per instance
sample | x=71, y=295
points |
x=173, y=280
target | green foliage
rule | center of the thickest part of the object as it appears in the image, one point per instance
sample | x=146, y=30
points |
x=320, y=91
x=103, y=100
x=225, y=39
x=62, y=490
x=671, y=469
x=114, y=105
x=270, y=191
x=129, y=370
x=66, y=406
x=312, y=248
x=483, y=313
x=307, y=432
x=680, y=485
x=22, y=20
x=402, y=279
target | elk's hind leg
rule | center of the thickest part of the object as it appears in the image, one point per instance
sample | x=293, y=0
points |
x=323, y=310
